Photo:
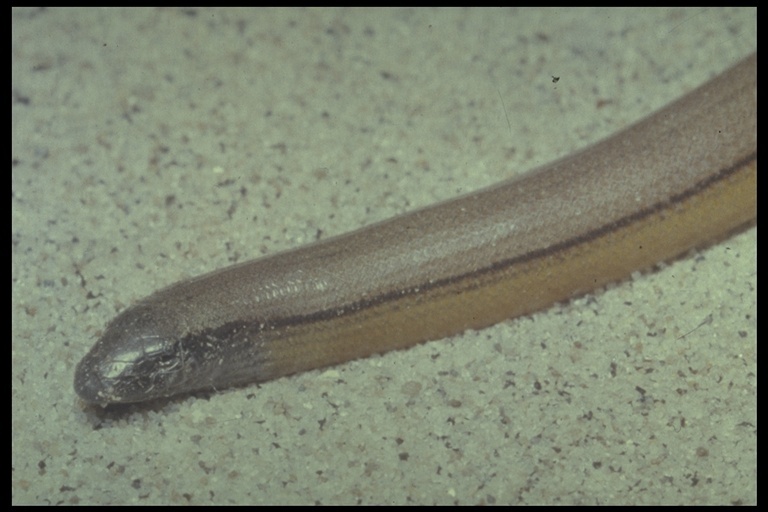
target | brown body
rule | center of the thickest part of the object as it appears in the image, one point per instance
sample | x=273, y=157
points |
x=682, y=178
